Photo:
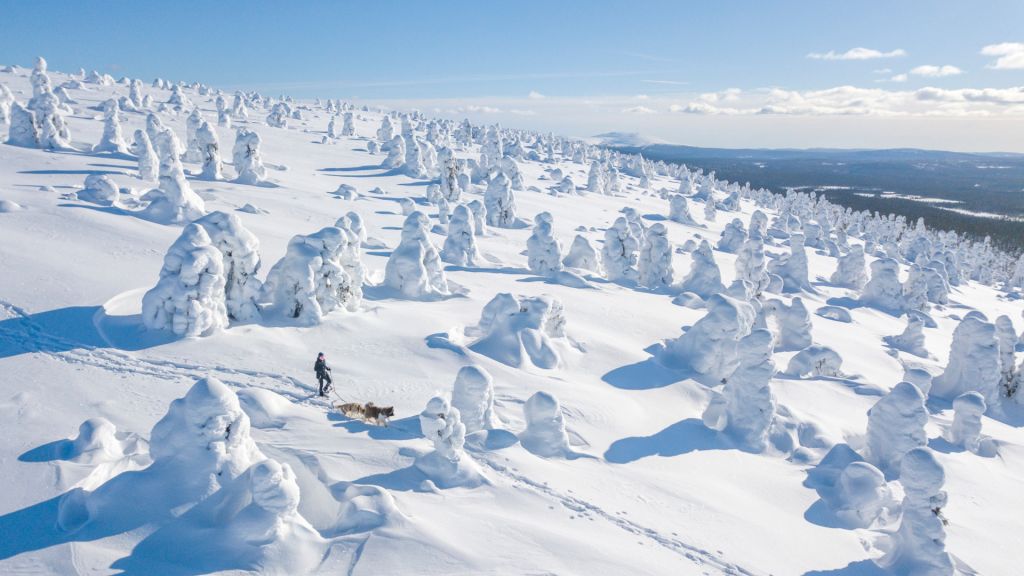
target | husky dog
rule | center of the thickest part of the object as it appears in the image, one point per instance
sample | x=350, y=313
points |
x=368, y=412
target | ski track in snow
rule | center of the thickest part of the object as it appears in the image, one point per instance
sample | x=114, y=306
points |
x=75, y=352
x=289, y=387
x=694, y=554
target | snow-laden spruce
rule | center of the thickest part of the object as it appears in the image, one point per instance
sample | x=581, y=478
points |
x=447, y=465
x=396, y=153
x=710, y=346
x=545, y=433
x=745, y=408
x=793, y=321
x=449, y=184
x=414, y=268
x=460, y=244
x=473, y=396
x=189, y=298
x=815, y=361
x=619, y=253
x=973, y=362
x=883, y=290
x=149, y=165
x=1006, y=337
x=247, y=158
x=679, y=210
x=112, y=140
x=792, y=267
x=751, y=266
x=911, y=340
x=582, y=256
x=895, y=426
x=209, y=151
x=240, y=504
x=704, y=279
x=733, y=236
x=319, y=273
x=240, y=252
x=850, y=269
x=654, y=265
x=173, y=201
x=919, y=546
x=965, y=432
x=544, y=251
x=521, y=331
x=861, y=495
x=500, y=203
x=193, y=153
x=22, y=130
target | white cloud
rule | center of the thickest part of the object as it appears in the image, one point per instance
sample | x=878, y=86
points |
x=642, y=97
x=883, y=71
x=858, y=53
x=534, y=95
x=483, y=109
x=899, y=78
x=638, y=110
x=936, y=71
x=666, y=82
x=1010, y=55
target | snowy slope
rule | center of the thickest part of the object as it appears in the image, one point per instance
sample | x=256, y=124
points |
x=652, y=490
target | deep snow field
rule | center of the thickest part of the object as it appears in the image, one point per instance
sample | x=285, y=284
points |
x=645, y=488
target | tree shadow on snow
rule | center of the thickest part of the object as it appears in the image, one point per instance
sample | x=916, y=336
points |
x=645, y=375
x=56, y=450
x=39, y=332
x=683, y=437
x=403, y=429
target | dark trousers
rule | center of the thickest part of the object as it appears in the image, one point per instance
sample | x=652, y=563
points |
x=321, y=378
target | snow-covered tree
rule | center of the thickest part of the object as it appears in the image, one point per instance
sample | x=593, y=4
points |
x=895, y=426
x=750, y=265
x=973, y=362
x=792, y=267
x=544, y=252
x=189, y=297
x=460, y=244
x=148, y=163
x=441, y=424
x=619, y=254
x=596, y=183
x=413, y=165
x=473, y=396
x=850, y=270
x=500, y=202
x=679, y=210
x=112, y=140
x=545, y=433
x=883, y=290
x=733, y=236
x=968, y=408
x=240, y=253
x=794, y=323
x=386, y=132
x=414, y=268
x=348, y=127
x=582, y=256
x=745, y=408
x=704, y=279
x=318, y=274
x=521, y=331
x=209, y=146
x=22, y=131
x=193, y=153
x=173, y=200
x=449, y=182
x=911, y=340
x=396, y=153
x=6, y=101
x=247, y=158
x=919, y=546
x=710, y=346
x=654, y=266
x=1006, y=337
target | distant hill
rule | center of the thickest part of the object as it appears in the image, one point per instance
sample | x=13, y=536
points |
x=978, y=194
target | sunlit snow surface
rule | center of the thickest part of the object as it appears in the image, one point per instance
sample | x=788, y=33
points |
x=645, y=487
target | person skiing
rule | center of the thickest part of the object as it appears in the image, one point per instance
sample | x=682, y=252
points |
x=323, y=373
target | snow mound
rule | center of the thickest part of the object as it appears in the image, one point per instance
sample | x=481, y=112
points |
x=545, y=433
x=521, y=331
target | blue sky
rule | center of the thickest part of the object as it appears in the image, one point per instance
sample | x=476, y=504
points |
x=708, y=73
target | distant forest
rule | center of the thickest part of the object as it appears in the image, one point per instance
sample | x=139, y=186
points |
x=979, y=182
